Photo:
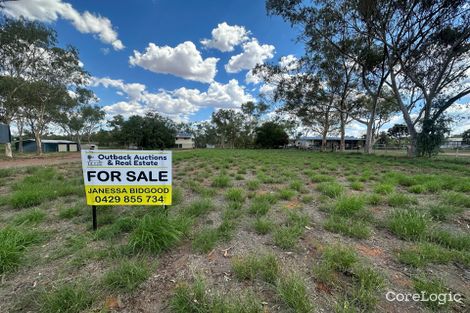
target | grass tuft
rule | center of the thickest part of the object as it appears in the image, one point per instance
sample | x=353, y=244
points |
x=408, y=224
x=127, y=276
x=292, y=290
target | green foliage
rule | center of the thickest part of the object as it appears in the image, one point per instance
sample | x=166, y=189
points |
x=259, y=206
x=253, y=184
x=425, y=253
x=155, y=233
x=451, y=240
x=432, y=136
x=356, y=185
x=384, y=188
x=286, y=194
x=271, y=135
x=127, y=276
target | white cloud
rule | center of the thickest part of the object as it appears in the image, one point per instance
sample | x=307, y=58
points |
x=51, y=10
x=177, y=104
x=251, y=78
x=184, y=61
x=226, y=37
x=289, y=62
x=253, y=53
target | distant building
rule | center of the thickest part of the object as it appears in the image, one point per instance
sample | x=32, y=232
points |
x=184, y=141
x=332, y=143
x=453, y=143
x=49, y=145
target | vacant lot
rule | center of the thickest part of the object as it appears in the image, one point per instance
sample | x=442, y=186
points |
x=249, y=231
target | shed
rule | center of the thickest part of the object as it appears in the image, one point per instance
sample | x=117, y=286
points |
x=314, y=142
x=49, y=145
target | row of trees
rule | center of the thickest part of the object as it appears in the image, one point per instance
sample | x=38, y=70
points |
x=226, y=129
x=42, y=85
x=366, y=60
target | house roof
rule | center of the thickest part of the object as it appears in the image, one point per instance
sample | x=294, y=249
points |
x=330, y=138
x=50, y=141
x=183, y=135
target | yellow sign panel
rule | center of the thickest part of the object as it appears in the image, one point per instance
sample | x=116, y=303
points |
x=118, y=177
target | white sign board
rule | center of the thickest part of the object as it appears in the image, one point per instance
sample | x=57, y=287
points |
x=123, y=177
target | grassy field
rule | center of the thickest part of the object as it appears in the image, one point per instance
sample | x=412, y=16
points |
x=249, y=231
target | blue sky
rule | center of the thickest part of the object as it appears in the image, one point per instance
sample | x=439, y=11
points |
x=183, y=59
x=180, y=25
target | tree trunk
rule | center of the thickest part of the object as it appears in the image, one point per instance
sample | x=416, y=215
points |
x=8, y=151
x=20, y=137
x=323, y=140
x=342, y=143
x=37, y=136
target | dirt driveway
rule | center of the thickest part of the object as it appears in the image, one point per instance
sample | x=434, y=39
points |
x=38, y=161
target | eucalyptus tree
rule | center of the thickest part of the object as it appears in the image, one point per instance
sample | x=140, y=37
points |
x=420, y=49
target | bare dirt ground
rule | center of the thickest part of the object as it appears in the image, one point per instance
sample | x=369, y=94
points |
x=41, y=161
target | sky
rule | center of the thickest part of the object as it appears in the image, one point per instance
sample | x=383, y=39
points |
x=183, y=59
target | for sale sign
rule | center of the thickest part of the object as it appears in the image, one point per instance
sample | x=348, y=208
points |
x=121, y=177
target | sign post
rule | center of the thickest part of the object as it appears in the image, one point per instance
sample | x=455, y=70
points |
x=122, y=177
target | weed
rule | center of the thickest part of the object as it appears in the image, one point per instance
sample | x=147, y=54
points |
x=442, y=212
x=348, y=206
x=235, y=195
x=34, y=216
x=13, y=242
x=331, y=189
x=199, y=207
x=286, y=194
x=408, y=224
x=263, y=225
x=349, y=227
x=356, y=185
x=155, y=233
x=250, y=267
x=431, y=286
x=400, y=200
x=221, y=181
x=127, y=276
x=259, y=206
x=70, y=212
x=286, y=237
x=253, y=184
x=293, y=292
x=307, y=199
x=205, y=240
x=384, y=188
x=66, y=298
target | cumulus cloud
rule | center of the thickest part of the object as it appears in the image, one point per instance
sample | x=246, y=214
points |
x=253, y=53
x=226, y=37
x=177, y=104
x=184, y=61
x=52, y=10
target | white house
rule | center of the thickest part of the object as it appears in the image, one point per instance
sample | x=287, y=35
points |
x=184, y=141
